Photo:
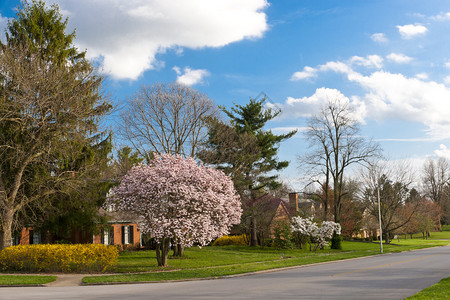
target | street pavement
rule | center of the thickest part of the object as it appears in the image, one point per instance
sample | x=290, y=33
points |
x=387, y=276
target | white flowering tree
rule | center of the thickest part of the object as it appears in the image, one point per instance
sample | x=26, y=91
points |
x=179, y=202
x=313, y=233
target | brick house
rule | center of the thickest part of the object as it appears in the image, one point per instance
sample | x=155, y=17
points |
x=282, y=210
x=122, y=229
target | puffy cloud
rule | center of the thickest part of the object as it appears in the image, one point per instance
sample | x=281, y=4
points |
x=190, y=76
x=411, y=30
x=308, y=106
x=399, y=58
x=370, y=61
x=379, y=38
x=399, y=97
x=307, y=72
x=127, y=35
x=443, y=151
x=387, y=95
x=447, y=64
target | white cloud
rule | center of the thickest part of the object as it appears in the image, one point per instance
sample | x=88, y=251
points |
x=447, y=64
x=307, y=72
x=399, y=97
x=443, y=152
x=308, y=106
x=387, y=96
x=411, y=30
x=370, y=61
x=422, y=76
x=441, y=17
x=190, y=76
x=379, y=38
x=447, y=80
x=399, y=58
x=127, y=35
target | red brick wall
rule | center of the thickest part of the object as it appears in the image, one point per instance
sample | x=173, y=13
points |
x=118, y=234
x=25, y=236
x=87, y=238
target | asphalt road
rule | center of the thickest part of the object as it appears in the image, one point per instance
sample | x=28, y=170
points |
x=388, y=276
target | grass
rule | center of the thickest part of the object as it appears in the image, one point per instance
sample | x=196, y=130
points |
x=438, y=235
x=440, y=290
x=25, y=279
x=228, y=260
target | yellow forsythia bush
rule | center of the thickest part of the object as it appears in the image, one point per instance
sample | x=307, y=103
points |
x=78, y=258
x=238, y=240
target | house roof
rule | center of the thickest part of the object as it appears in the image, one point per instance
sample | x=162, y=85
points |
x=115, y=217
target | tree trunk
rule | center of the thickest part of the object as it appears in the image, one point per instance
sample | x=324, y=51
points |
x=386, y=236
x=261, y=239
x=253, y=233
x=162, y=252
x=6, y=229
x=178, y=250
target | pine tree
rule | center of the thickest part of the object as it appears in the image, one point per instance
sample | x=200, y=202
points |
x=255, y=157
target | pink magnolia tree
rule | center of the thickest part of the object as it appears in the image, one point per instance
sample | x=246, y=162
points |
x=179, y=202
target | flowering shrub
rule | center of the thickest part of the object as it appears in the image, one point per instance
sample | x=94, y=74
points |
x=313, y=233
x=59, y=258
x=238, y=240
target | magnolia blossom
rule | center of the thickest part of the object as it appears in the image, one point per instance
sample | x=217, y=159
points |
x=176, y=198
x=318, y=235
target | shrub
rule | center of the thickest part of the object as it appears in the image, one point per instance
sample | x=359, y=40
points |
x=77, y=258
x=336, y=241
x=282, y=236
x=226, y=240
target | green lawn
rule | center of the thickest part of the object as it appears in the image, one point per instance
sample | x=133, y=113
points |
x=228, y=260
x=440, y=290
x=444, y=234
x=25, y=279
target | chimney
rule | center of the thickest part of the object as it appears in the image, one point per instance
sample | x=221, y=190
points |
x=293, y=201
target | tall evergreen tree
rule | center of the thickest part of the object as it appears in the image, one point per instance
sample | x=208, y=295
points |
x=255, y=157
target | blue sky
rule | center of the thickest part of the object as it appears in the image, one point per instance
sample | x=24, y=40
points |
x=389, y=59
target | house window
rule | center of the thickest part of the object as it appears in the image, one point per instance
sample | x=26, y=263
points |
x=111, y=235
x=35, y=237
x=127, y=235
x=105, y=236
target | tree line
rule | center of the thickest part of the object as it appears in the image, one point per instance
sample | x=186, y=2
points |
x=57, y=162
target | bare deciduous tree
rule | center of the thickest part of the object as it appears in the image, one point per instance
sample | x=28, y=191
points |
x=436, y=177
x=167, y=118
x=336, y=144
x=436, y=183
x=392, y=182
